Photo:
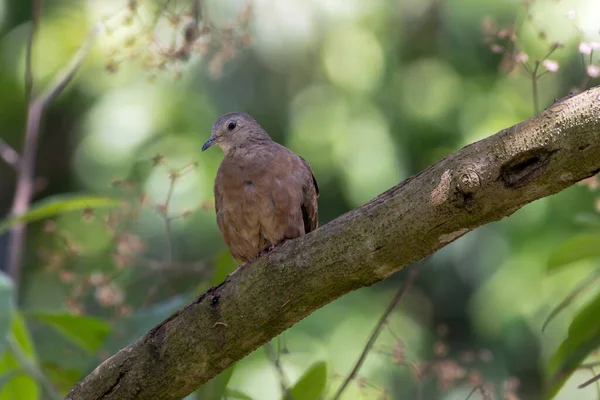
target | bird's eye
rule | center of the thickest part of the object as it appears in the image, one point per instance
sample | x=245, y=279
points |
x=231, y=126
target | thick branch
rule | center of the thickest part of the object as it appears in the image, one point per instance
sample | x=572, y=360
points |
x=483, y=182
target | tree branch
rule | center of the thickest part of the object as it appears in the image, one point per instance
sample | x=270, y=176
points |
x=481, y=183
x=26, y=165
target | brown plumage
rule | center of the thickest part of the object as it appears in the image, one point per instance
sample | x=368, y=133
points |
x=264, y=193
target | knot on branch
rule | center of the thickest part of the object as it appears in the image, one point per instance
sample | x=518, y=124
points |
x=468, y=181
x=525, y=167
x=466, y=184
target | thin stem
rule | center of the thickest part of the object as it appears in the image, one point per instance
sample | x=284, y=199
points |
x=542, y=74
x=586, y=283
x=476, y=388
x=36, y=6
x=66, y=75
x=534, y=88
x=586, y=77
x=590, y=365
x=527, y=68
x=197, y=11
x=552, y=50
x=597, y=380
x=32, y=369
x=168, y=230
x=535, y=77
x=589, y=382
x=174, y=175
x=379, y=327
x=283, y=381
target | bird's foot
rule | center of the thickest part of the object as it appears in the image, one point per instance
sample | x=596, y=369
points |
x=239, y=267
x=266, y=251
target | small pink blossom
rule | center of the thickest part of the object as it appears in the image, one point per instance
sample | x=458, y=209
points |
x=571, y=14
x=109, y=295
x=585, y=48
x=593, y=71
x=496, y=48
x=521, y=57
x=96, y=279
x=551, y=66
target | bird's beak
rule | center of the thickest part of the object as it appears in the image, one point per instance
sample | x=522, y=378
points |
x=209, y=142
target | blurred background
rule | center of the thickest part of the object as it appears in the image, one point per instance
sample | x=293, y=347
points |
x=369, y=93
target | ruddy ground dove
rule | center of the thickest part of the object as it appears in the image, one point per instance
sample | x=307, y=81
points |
x=264, y=193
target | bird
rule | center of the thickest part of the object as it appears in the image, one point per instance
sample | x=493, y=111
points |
x=264, y=193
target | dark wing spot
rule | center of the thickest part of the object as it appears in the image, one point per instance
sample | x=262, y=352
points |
x=315, y=183
x=248, y=183
x=313, y=175
x=306, y=219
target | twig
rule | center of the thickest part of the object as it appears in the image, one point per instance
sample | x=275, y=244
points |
x=66, y=75
x=590, y=365
x=197, y=11
x=588, y=282
x=283, y=381
x=168, y=231
x=26, y=178
x=32, y=369
x=476, y=388
x=379, y=327
x=35, y=19
x=9, y=155
x=174, y=175
x=534, y=79
x=589, y=382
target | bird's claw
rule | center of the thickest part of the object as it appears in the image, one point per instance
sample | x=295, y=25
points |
x=266, y=251
x=239, y=267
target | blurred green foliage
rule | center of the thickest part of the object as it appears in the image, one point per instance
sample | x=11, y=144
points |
x=369, y=92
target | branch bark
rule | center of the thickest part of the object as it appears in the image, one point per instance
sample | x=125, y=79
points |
x=481, y=183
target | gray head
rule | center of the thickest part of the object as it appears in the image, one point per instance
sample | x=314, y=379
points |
x=234, y=130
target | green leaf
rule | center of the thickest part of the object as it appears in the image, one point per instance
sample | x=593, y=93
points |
x=21, y=387
x=235, y=394
x=9, y=375
x=582, y=339
x=7, y=308
x=87, y=332
x=59, y=204
x=215, y=388
x=311, y=386
x=581, y=247
x=585, y=284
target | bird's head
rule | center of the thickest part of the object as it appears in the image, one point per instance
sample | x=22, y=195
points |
x=234, y=130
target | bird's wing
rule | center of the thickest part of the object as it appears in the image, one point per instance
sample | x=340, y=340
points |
x=239, y=228
x=221, y=217
x=310, y=208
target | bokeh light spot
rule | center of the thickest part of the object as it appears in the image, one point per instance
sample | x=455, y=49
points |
x=430, y=88
x=353, y=58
